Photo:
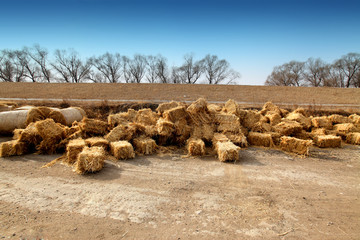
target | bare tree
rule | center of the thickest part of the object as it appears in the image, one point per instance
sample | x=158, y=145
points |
x=349, y=65
x=316, y=71
x=12, y=67
x=40, y=56
x=278, y=77
x=288, y=74
x=109, y=66
x=216, y=71
x=157, y=69
x=6, y=67
x=190, y=71
x=32, y=69
x=70, y=67
x=137, y=68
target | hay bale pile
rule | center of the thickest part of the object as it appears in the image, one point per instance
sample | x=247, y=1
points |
x=198, y=126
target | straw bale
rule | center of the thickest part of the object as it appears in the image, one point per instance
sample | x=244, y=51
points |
x=300, y=110
x=260, y=139
x=34, y=115
x=355, y=119
x=298, y=117
x=231, y=107
x=196, y=147
x=251, y=118
x=57, y=116
x=165, y=127
x=72, y=114
x=227, y=151
x=122, y=150
x=121, y=118
x=166, y=106
x=261, y=126
x=73, y=149
x=344, y=128
x=30, y=135
x=175, y=114
x=199, y=105
x=353, y=138
x=97, y=142
x=269, y=106
x=90, y=160
x=295, y=145
x=214, y=108
x=49, y=129
x=288, y=127
x=17, y=133
x=121, y=132
x=9, y=121
x=274, y=117
x=12, y=148
x=71, y=130
x=284, y=112
x=238, y=139
x=336, y=118
x=150, y=131
x=227, y=122
x=146, y=117
x=321, y=122
x=219, y=137
x=303, y=135
x=327, y=141
x=145, y=145
x=182, y=131
x=94, y=126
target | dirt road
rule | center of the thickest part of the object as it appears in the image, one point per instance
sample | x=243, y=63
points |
x=266, y=195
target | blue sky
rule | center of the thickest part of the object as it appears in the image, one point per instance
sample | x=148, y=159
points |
x=254, y=36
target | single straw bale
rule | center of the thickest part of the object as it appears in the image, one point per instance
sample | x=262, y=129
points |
x=298, y=117
x=238, y=139
x=230, y=107
x=196, y=147
x=269, y=106
x=355, y=119
x=227, y=122
x=251, y=118
x=165, y=127
x=288, y=127
x=353, y=138
x=304, y=135
x=73, y=149
x=344, y=128
x=94, y=126
x=97, y=142
x=146, y=117
x=318, y=131
x=31, y=136
x=11, y=120
x=260, y=139
x=274, y=117
x=122, y=150
x=205, y=132
x=121, y=132
x=336, y=118
x=301, y=111
x=327, y=141
x=58, y=117
x=145, y=145
x=227, y=151
x=182, y=127
x=72, y=114
x=90, y=160
x=166, y=106
x=214, y=108
x=321, y=122
x=276, y=138
x=175, y=114
x=12, y=148
x=295, y=145
x=34, y=115
x=199, y=105
x=150, y=131
x=51, y=134
x=121, y=118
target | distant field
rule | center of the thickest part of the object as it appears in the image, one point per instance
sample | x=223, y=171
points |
x=245, y=95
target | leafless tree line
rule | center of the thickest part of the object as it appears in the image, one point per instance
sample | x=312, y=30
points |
x=35, y=64
x=343, y=72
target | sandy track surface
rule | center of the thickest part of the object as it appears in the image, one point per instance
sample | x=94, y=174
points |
x=266, y=195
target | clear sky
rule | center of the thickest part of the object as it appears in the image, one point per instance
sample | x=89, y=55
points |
x=253, y=35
